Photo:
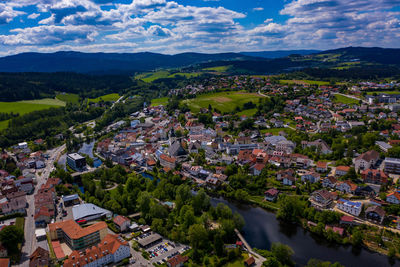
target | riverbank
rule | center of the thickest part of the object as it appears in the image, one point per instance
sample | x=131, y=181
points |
x=332, y=240
x=262, y=228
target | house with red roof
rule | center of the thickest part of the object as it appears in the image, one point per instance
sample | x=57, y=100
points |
x=122, y=223
x=271, y=194
x=393, y=198
x=374, y=176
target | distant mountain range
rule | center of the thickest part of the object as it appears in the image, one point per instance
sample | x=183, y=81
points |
x=279, y=53
x=265, y=62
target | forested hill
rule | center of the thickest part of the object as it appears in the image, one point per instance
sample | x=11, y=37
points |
x=105, y=62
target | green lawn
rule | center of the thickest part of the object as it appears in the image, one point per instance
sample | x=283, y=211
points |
x=159, y=101
x=185, y=74
x=109, y=97
x=345, y=100
x=45, y=101
x=223, y=101
x=69, y=98
x=311, y=82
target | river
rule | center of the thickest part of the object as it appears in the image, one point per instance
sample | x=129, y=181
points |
x=262, y=229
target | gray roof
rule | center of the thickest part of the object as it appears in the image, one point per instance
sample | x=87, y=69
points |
x=88, y=209
x=70, y=197
x=75, y=156
x=149, y=239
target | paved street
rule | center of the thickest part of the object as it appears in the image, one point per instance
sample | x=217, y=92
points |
x=30, y=240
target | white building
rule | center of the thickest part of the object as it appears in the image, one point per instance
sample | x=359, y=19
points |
x=354, y=208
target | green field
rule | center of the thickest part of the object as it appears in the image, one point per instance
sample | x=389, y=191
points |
x=149, y=77
x=218, y=68
x=159, y=101
x=26, y=106
x=68, y=98
x=384, y=92
x=109, y=97
x=345, y=100
x=311, y=82
x=275, y=131
x=223, y=101
x=3, y=124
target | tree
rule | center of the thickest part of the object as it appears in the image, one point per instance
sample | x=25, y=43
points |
x=197, y=236
x=290, y=209
x=10, y=237
x=144, y=202
x=357, y=237
x=283, y=253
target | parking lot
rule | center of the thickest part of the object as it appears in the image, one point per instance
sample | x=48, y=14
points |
x=164, y=250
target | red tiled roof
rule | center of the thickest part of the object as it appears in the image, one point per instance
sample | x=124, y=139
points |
x=120, y=220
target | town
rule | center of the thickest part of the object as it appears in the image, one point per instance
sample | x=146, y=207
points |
x=326, y=157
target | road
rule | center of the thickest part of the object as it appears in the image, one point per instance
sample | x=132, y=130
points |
x=116, y=102
x=30, y=244
x=261, y=94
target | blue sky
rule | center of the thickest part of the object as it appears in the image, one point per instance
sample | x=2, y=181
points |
x=196, y=25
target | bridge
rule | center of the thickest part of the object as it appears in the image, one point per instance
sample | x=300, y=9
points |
x=75, y=174
x=257, y=257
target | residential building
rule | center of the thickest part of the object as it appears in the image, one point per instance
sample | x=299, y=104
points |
x=329, y=181
x=374, y=176
x=354, y=208
x=321, y=199
x=392, y=165
x=177, y=261
x=366, y=160
x=122, y=223
x=271, y=194
x=40, y=257
x=167, y=161
x=310, y=176
x=318, y=145
x=375, y=213
x=112, y=249
x=393, y=198
x=76, y=237
x=321, y=166
x=342, y=170
x=346, y=187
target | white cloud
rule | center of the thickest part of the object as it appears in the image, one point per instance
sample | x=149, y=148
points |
x=33, y=16
x=258, y=9
x=7, y=13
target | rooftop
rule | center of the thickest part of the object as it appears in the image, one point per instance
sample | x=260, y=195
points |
x=88, y=209
x=75, y=156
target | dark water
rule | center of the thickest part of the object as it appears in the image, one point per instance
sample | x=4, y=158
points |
x=262, y=229
x=87, y=149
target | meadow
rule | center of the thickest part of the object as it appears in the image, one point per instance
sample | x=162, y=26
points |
x=149, y=77
x=310, y=82
x=384, y=92
x=109, y=97
x=27, y=106
x=345, y=100
x=218, y=68
x=69, y=98
x=223, y=101
x=159, y=101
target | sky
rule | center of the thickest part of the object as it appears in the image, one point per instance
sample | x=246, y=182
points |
x=208, y=26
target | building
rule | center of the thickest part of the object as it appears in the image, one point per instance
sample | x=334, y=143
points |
x=111, y=249
x=89, y=212
x=321, y=166
x=342, y=170
x=392, y=165
x=329, y=181
x=71, y=200
x=374, y=176
x=75, y=236
x=366, y=160
x=375, y=213
x=177, y=261
x=122, y=223
x=5, y=262
x=40, y=257
x=346, y=187
x=383, y=146
x=76, y=161
x=150, y=240
x=321, y=199
x=393, y=198
x=271, y=194
x=318, y=145
x=310, y=176
x=167, y=161
x=353, y=208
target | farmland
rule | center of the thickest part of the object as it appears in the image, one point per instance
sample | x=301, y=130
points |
x=223, y=101
x=218, y=68
x=383, y=92
x=109, y=97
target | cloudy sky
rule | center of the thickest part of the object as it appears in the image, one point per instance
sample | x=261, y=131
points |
x=195, y=25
